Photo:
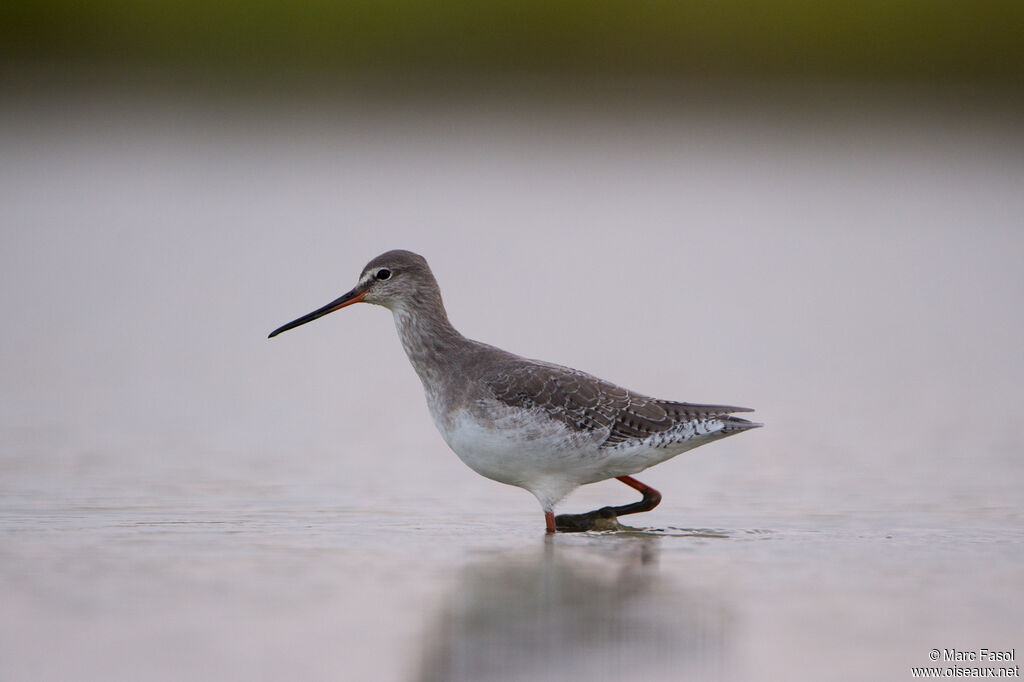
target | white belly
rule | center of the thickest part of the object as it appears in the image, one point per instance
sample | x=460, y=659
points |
x=524, y=448
x=528, y=449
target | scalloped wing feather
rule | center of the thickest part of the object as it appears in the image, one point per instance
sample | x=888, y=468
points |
x=584, y=402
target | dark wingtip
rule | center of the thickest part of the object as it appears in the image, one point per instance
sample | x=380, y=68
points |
x=738, y=423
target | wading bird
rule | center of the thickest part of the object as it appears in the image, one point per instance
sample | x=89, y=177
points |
x=536, y=425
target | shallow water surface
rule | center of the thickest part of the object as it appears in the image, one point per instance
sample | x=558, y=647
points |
x=282, y=586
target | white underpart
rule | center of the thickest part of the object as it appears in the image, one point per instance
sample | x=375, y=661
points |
x=528, y=449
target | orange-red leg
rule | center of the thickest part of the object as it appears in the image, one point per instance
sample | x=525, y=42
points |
x=651, y=497
x=570, y=523
x=549, y=522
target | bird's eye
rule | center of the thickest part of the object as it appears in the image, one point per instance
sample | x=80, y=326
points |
x=383, y=273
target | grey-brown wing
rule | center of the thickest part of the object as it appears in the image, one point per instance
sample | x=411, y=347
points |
x=580, y=401
x=649, y=416
x=584, y=402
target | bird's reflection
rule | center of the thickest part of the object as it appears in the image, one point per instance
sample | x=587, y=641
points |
x=590, y=610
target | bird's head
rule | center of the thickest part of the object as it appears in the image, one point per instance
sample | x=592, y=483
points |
x=396, y=280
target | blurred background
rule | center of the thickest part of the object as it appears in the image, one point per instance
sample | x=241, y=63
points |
x=813, y=209
x=936, y=42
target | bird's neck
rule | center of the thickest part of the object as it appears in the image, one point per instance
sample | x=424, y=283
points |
x=429, y=339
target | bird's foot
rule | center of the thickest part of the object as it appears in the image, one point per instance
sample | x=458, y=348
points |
x=599, y=519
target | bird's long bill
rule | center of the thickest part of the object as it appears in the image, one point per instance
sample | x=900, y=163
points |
x=354, y=296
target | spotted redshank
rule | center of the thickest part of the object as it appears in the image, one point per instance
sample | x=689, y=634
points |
x=532, y=424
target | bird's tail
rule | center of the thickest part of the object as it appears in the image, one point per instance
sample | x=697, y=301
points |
x=733, y=424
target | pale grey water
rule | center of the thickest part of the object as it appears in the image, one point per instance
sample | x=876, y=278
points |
x=182, y=499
